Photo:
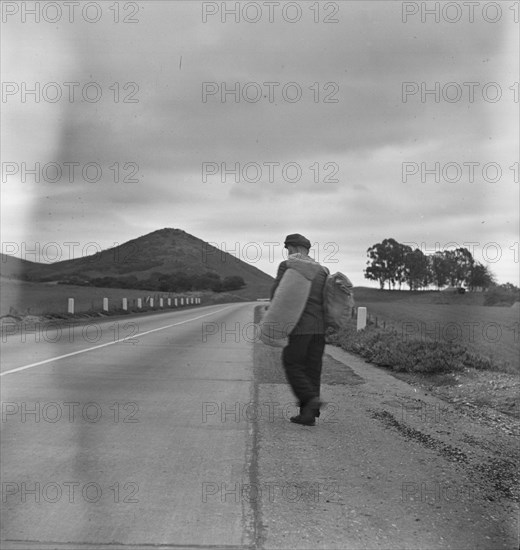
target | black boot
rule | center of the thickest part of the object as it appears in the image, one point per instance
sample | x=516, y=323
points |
x=300, y=412
x=308, y=413
x=301, y=420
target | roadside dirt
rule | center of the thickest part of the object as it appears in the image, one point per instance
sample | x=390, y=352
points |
x=492, y=397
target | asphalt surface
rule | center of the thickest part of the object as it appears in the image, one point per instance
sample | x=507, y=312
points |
x=171, y=431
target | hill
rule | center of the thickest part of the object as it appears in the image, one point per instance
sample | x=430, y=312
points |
x=15, y=268
x=166, y=251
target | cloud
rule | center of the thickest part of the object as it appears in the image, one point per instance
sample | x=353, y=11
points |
x=164, y=138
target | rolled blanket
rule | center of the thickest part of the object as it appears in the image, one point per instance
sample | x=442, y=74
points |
x=289, y=301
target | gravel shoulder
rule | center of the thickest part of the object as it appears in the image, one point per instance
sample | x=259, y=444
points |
x=491, y=396
x=389, y=465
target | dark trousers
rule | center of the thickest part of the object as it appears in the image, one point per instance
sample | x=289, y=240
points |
x=302, y=361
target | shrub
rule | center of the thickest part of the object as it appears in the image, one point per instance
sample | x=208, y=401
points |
x=506, y=294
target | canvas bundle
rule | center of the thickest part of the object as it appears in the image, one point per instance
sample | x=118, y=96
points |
x=338, y=301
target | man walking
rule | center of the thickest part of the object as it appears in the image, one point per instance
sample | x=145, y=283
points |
x=302, y=357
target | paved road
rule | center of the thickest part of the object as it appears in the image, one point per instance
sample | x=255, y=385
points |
x=170, y=431
x=121, y=444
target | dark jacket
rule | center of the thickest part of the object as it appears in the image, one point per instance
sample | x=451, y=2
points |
x=312, y=319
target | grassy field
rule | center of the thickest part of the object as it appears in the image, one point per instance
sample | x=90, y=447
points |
x=489, y=331
x=365, y=296
x=42, y=298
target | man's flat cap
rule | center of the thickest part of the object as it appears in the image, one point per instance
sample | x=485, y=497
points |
x=295, y=239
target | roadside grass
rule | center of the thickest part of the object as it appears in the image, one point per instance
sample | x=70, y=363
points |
x=422, y=356
x=450, y=371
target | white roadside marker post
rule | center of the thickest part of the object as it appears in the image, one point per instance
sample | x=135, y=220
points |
x=361, y=318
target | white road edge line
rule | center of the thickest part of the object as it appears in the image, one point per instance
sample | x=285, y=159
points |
x=32, y=365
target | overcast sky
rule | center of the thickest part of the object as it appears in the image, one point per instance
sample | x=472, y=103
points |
x=358, y=140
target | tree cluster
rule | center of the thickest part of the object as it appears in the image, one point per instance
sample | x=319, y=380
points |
x=394, y=263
